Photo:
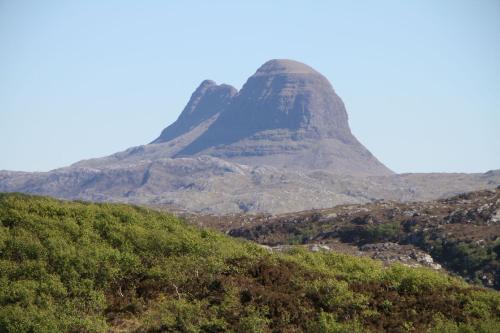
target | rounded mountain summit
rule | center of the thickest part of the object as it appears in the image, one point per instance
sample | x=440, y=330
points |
x=286, y=115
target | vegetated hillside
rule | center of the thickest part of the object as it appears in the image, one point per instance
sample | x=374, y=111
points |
x=82, y=267
x=461, y=233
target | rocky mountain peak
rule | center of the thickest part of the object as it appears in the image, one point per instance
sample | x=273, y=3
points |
x=284, y=66
x=207, y=101
x=286, y=115
x=285, y=96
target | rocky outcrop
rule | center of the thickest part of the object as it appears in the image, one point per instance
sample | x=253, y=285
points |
x=406, y=254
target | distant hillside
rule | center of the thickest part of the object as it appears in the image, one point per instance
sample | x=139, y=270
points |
x=82, y=267
x=461, y=233
x=211, y=185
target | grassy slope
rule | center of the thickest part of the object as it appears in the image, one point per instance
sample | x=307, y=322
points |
x=81, y=267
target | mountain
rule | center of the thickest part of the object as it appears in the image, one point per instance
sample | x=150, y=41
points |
x=282, y=143
x=286, y=115
x=86, y=267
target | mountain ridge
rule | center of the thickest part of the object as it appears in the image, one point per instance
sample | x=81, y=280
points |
x=298, y=153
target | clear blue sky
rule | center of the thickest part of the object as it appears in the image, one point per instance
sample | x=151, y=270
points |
x=81, y=79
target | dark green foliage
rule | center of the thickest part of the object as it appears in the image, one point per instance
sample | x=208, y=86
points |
x=81, y=267
x=464, y=255
x=384, y=232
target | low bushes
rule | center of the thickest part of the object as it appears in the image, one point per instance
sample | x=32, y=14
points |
x=81, y=267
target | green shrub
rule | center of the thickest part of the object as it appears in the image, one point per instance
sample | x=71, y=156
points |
x=326, y=323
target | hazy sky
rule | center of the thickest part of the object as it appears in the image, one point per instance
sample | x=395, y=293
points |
x=81, y=79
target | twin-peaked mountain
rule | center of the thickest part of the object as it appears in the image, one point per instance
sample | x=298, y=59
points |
x=282, y=143
x=286, y=115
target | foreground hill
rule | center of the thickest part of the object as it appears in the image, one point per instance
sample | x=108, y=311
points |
x=82, y=267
